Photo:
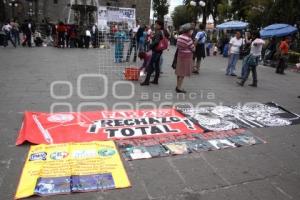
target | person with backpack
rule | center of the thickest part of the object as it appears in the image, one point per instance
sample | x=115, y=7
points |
x=251, y=61
x=184, y=63
x=199, y=54
x=158, y=45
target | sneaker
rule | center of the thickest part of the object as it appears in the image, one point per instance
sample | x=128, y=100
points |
x=232, y=74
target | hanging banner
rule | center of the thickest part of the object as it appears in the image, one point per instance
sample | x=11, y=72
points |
x=115, y=14
x=53, y=128
x=251, y=115
x=102, y=17
x=72, y=167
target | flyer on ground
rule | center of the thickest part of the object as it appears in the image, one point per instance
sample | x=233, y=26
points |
x=72, y=167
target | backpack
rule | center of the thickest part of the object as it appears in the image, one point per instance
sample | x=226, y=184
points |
x=163, y=43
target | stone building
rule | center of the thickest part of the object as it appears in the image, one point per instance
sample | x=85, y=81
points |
x=56, y=10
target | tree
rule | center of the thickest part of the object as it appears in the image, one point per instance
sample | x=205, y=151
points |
x=182, y=15
x=160, y=8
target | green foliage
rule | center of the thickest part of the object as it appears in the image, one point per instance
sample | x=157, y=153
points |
x=181, y=15
x=160, y=8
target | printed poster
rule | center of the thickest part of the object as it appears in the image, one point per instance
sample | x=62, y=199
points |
x=53, y=128
x=72, y=167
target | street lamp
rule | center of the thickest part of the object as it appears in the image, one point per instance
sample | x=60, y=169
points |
x=201, y=4
x=13, y=4
x=198, y=3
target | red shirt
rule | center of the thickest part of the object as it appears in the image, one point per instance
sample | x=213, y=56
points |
x=284, y=47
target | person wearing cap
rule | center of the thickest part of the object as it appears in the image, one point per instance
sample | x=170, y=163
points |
x=184, y=64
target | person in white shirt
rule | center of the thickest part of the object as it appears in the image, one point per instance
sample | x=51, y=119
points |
x=251, y=61
x=7, y=30
x=234, y=53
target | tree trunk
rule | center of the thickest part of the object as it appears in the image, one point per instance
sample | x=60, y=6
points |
x=204, y=16
x=2, y=11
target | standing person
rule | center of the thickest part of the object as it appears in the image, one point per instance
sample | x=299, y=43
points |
x=15, y=31
x=28, y=29
x=95, y=39
x=142, y=39
x=73, y=37
x=49, y=33
x=7, y=30
x=67, y=35
x=156, y=54
x=199, y=54
x=251, y=61
x=61, y=31
x=120, y=37
x=234, y=53
x=283, y=55
x=87, y=38
x=133, y=43
x=184, y=65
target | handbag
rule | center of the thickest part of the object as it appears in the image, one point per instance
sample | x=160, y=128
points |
x=163, y=43
x=251, y=60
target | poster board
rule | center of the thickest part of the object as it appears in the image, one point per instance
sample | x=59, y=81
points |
x=72, y=167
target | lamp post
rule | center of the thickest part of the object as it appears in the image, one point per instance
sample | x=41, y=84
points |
x=201, y=5
x=13, y=4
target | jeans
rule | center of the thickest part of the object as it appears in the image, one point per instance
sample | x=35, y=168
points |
x=154, y=66
x=247, y=68
x=244, y=67
x=254, y=73
x=233, y=58
x=8, y=38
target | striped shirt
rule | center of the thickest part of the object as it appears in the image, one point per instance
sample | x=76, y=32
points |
x=185, y=44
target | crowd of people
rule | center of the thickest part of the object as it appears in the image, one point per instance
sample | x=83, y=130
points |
x=192, y=42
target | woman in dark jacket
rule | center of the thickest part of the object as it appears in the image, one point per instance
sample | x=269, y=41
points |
x=154, y=63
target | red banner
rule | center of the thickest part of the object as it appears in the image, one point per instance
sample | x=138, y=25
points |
x=52, y=128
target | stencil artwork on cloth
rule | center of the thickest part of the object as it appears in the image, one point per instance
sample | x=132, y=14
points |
x=254, y=115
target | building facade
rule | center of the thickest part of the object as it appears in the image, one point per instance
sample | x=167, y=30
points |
x=61, y=10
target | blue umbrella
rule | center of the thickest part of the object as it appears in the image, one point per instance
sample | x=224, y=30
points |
x=277, y=30
x=233, y=25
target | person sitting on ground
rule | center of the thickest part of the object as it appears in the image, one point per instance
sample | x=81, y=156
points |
x=37, y=38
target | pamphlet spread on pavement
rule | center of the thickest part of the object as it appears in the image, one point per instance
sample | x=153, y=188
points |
x=161, y=146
